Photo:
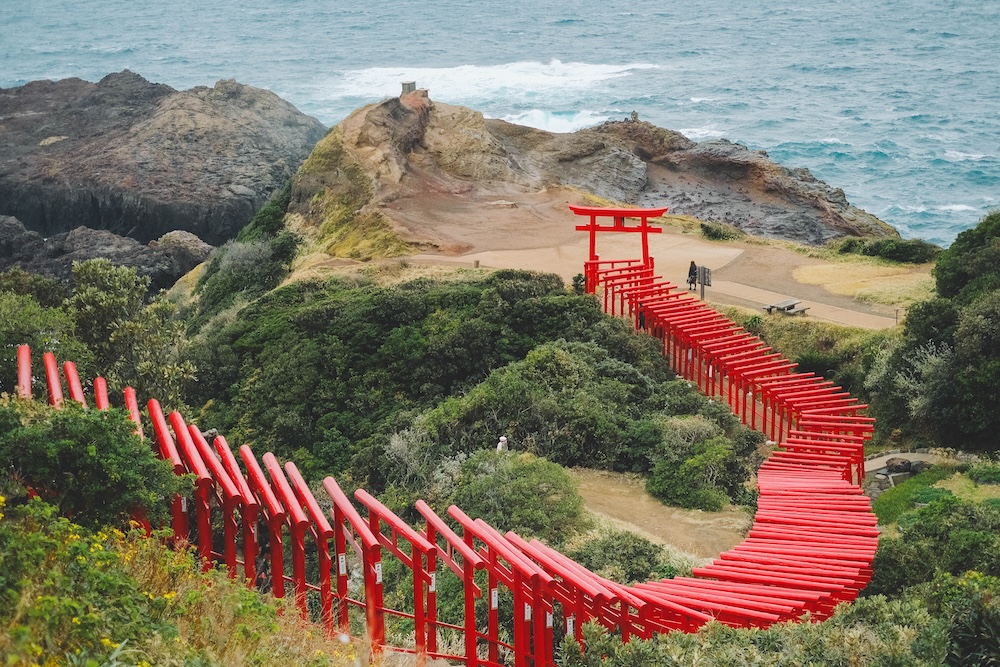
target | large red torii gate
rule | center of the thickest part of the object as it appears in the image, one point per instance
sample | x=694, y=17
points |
x=618, y=215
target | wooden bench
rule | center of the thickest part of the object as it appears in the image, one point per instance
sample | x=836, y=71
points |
x=785, y=305
x=797, y=310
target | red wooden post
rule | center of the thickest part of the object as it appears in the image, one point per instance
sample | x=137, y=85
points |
x=73, y=381
x=297, y=523
x=322, y=531
x=23, y=371
x=101, y=393
x=250, y=511
x=470, y=563
x=275, y=519
x=202, y=490
x=52, y=378
x=371, y=555
x=132, y=405
x=168, y=452
x=231, y=497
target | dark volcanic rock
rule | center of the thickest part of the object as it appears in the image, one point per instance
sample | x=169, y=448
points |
x=164, y=261
x=141, y=159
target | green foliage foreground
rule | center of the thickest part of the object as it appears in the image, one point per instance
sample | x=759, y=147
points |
x=90, y=463
x=69, y=596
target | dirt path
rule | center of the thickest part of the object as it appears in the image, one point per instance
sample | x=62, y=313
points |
x=623, y=499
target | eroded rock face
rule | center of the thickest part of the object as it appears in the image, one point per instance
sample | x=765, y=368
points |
x=164, y=260
x=141, y=159
x=411, y=145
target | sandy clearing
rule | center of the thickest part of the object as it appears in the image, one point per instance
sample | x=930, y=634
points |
x=623, y=498
x=537, y=231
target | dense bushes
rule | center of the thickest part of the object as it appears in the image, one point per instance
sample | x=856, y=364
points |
x=70, y=596
x=697, y=466
x=872, y=631
x=106, y=324
x=720, y=231
x=519, y=492
x=90, y=463
x=941, y=380
x=910, y=251
x=326, y=366
x=894, y=502
x=948, y=535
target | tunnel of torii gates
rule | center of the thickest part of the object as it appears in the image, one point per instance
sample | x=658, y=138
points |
x=811, y=545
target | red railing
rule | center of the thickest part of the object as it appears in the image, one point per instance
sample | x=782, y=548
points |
x=811, y=545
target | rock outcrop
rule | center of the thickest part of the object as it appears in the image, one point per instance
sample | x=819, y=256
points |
x=164, y=260
x=141, y=159
x=410, y=147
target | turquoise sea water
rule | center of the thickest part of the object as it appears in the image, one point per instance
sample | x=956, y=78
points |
x=895, y=101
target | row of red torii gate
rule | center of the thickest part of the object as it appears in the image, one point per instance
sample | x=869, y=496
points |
x=811, y=546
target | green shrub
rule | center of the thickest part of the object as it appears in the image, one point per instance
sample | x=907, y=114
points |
x=48, y=292
x=971, y=602
x=872, y=631
x=720, y=231
x=69, y=596
x=62, y=590
x=969, y=267
x=269, y=220
x=892, y=503
x=90, y=463
x=693, y=482
x=909, y=251
x=929, y=494
x=620, y=556
x=947, y=535
x=519, y=492
x=985, y=473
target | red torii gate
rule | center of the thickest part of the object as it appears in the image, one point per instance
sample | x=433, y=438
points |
x=618, y=215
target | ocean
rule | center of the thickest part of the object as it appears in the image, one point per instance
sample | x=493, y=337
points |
x=897, y=102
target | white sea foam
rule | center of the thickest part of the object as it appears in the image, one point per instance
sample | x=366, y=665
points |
x=702, y=133
x=516, y=81
x=957, y=207
x=567, y=121
x=958, y=156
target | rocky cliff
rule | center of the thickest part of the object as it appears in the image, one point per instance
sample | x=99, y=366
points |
x=411, y=153
x=141, y=159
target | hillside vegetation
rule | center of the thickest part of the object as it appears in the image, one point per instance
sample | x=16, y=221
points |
x=403, y=386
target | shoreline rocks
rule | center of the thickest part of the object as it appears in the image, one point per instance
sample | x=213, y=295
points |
x=164, y=260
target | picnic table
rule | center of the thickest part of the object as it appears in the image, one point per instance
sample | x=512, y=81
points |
x=788, y=306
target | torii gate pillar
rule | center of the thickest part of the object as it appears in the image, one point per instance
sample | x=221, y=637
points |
x=618, y=215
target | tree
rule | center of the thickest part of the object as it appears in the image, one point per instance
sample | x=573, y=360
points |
x=103, y=297
x=24, y=322
x=519, y=492
x=971, y=265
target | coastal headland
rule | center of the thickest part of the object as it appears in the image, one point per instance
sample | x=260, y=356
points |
x=409, y=177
